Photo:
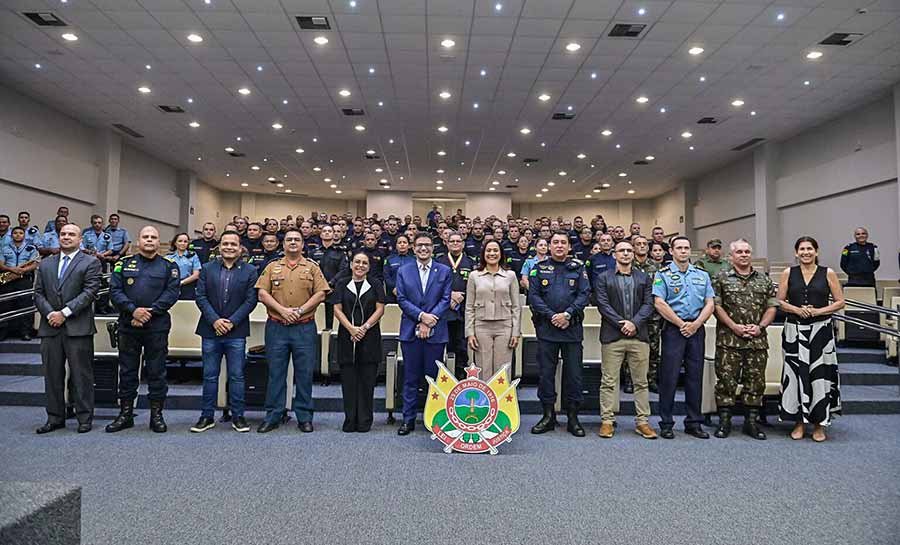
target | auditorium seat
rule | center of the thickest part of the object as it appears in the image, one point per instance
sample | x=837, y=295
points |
x=183, y=342
x=892, y=342
x=390, y=332
x=102, y=344
x=591, y=316
x=708, y=380
x=854, y=293
x=775, y=365
x=888, y=294
x=528, y=336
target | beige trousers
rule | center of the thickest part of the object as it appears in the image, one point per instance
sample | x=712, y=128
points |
x=636, y=354
x=493, y=345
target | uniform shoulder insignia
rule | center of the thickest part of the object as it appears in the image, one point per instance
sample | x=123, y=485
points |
x=190, y=254
x=30, y=248
x=169, y=259
x=845, y=251
x=106, y=236
x=32, y=230
x=574, y=263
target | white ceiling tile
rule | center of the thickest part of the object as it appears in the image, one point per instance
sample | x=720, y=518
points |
x=405, y=24
x=537, y=8
x=538, y=27
x=502, y=26
x=358, y=23
x=134, y=20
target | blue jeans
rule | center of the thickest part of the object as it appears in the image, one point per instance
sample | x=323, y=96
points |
x=282, y=343
x=234, y=352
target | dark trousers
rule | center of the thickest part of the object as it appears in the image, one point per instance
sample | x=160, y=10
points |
x=456, y=343
x=418, y=361
x=548, y=357
x=79, y=352
x=677, y=350
x=155, y=347
x=358, y=388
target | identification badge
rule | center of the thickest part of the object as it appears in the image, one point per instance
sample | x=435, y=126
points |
x=674, y=276
x=276, y=283
x=130, y=281
x=572, y=282
x=545, y=282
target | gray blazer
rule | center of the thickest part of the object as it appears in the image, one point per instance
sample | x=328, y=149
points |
x=77, y=290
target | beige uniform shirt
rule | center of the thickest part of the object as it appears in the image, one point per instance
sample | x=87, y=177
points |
x=292, y=286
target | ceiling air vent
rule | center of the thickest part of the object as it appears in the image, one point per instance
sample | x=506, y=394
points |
x=563, y=116
x=373, y=156
x=627, y=30
x=748, y=144
x=353, y=111
x=313, y=23
x=641, y=162
x=237, y=154
x=128, y=130
x=512, y=186
x=171, y=109
x=44, y=18
x=529, y=160
x=707, y=121
x=842, y=38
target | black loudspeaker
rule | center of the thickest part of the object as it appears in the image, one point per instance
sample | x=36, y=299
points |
x=256, y=378
x=591, y=376
x=530, y=369
x=859, y=334
x=106, y=381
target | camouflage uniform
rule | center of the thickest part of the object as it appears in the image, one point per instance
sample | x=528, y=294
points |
x=654, y=325
x=712, y=268
x=742, y=361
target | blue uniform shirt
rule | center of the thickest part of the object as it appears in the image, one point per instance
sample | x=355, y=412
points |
x=392, y=264
x=554, y=287
x=187, y=263
x=16, y=256
x=51, y=240
x=119, y=237
x=34, y=236
x=98, y=242
x=685, y=292
x=6, y=240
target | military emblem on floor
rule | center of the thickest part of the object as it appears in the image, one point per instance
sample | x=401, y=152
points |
x=472, y=415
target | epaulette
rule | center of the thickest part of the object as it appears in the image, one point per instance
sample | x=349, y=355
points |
x=574, y=263
x=107, y=236
x=169, y=259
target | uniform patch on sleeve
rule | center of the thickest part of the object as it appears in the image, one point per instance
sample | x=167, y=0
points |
x=533, y=272
x=845, y=251
x=658, y=281
x=118, y=267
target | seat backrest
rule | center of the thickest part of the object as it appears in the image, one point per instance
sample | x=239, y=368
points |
x=709, y=342
x=390, y=322
x=889, y=294
x=895, y=302
x=776, y=357
x=591, y=316
x=259, y=313
x=861, y=294
x=320, y=317
x=185, y=316
x=102, y=346
x=592, y=348
x=527, y=325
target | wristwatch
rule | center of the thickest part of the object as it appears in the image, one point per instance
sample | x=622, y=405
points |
x=567, y=315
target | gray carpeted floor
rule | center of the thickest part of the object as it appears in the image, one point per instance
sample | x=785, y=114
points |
x=328, y=487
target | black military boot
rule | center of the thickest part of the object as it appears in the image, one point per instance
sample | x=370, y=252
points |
x=547, y=423
x=125, y=419
x=724, y=429
x=572, y=424
x=750, y=426
x=157, y=423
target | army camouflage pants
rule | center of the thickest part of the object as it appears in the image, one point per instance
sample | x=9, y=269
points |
x=745, y=367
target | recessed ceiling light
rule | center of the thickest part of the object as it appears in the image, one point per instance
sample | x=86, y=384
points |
x=401, y=177
x=380, y=103
x=806, y=82
x=386, y=186
x=254, y=167
x=641, y=11
x=606, y=132
x=37, y=65
x=360, y=128
x=618, y=146
x=238, y=138
x=193, y=124
x=439, y=182
x=686, y=134
x=498, y=6
x=277, y=126
x=467, y=142
x=379, y=170
x=593, y=75
x=814, y=55
x=587, y=195
x=691, y=148
x=370, y=152
x=649, y=158
x=543, y=144
x=285, y=101
x=229, y=149
x=702, y=79
x=69, y=37
x=737, y=103
x=352, y=3
x=326, y=180
x=562, y=172
x=199, y=158
x=259, y=68
x=544, y=97
x=382, y=181
x=344, y=93
x=572, y=47
x=525, y=130
x=196, y=38
x=569, y=108
x=245, y=184
x=333, y=186
x=630, y=192
x=391, y=141
x=623, y=174
x=442, y=153
x=371, y=70
x=288, y=190
x=439, y=188
x=696, y=50
x=483, y=72
x=475, y=105
x=320, y=40
x=495, y=182
x=581, y=156
x=144, y=90
x=642, y=100
x=544, y=190
x=551, y=184
x=442, y=128
x=780, y=17
x=445, y=95
x=271, y=179
x=753, y=112
x=605, y=185
x=440, y=171
x=592, y=165
x=317, y=169
x=511, y=154
x=492, y=189
x=448, y=43
x=148, y=67
x=538, y=195
x=300, y=150
x=244, y=91
x=501, y=172
x=265, y=159
x=338, y=191
x=662, y=110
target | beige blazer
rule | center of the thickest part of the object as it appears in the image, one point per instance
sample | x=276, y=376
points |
x=493, y=297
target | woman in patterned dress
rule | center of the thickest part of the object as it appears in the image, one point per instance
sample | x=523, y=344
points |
x=810, y=381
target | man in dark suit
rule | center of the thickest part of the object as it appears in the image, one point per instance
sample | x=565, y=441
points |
x=423, y=293
x=64, y=294
x=625, y=301
x=226, y=295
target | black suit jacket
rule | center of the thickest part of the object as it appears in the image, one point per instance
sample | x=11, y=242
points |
x=610, y=305
x=77, y=290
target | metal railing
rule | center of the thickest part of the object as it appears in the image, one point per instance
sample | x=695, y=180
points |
x=31, y=309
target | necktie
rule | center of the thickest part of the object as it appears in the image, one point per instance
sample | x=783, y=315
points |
x=65, y=266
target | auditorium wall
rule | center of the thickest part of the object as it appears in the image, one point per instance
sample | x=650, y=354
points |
x=280, y=206
x=216, y=206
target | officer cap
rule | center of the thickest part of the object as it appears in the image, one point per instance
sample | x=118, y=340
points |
x=714, y=242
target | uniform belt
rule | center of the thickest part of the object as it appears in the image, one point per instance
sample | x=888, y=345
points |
x=282, y=322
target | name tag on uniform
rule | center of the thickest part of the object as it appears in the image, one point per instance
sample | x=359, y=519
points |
x=572, y=282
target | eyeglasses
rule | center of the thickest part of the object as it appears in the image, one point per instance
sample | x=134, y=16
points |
x=424, y=245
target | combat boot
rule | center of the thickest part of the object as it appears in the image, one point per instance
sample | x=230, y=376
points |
x=157, y=423
x=724, y=429
x=125, y=419
x=572, y=424
x=750, y=426
x=547, y=423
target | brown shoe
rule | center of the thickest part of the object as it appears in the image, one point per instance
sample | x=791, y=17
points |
x=606, y=430
x=645, y=431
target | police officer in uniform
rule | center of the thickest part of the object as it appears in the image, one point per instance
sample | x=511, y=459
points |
x=51, y=239
x=33, y=235
x=601, y=262
x=270, y=253
x=860, y=260
x=18, y=260
x=376, y=258
x=557, y=293
x=332, y=260
x=474, y=242
x=143, y=287
x=95, y=240
x=461, y=266
x=745, y=306
x=5, y=231
x=203, y=245
x=120, y=241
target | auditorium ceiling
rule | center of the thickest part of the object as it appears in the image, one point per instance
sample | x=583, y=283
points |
x=573, y=97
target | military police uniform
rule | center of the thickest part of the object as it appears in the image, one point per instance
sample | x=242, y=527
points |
x=559, y=287
x=460, y=268
x=472, y=248
x=17, y=256
x=391, y=265
x=34, y=237
x=860, y=261
x=376, y=264
x=332, y=260
x=138, y=282
x=516, y=259
x=187, y=264
x=95, y=242
x=6, y=238
x=202, y=248
x=597, y=265
x=119, y=238
x=742, y=361
x=654, y=325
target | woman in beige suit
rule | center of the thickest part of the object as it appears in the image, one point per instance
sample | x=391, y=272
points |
x=493, y=311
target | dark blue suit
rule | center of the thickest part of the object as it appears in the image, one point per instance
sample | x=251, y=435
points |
x=419, y=355
x=240, y=304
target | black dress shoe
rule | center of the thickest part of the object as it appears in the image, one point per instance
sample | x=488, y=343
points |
x=305, y=427
x=50, y=426
x=70, y=413
x=406, y=428
x=267, y=426
x=666, y=433
x=348, y=427
x=84, y=427
x=697, y=432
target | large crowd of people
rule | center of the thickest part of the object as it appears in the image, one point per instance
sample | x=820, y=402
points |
x=458, y=282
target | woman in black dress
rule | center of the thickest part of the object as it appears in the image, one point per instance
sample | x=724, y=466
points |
x=359, y=307
x=810, y=382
